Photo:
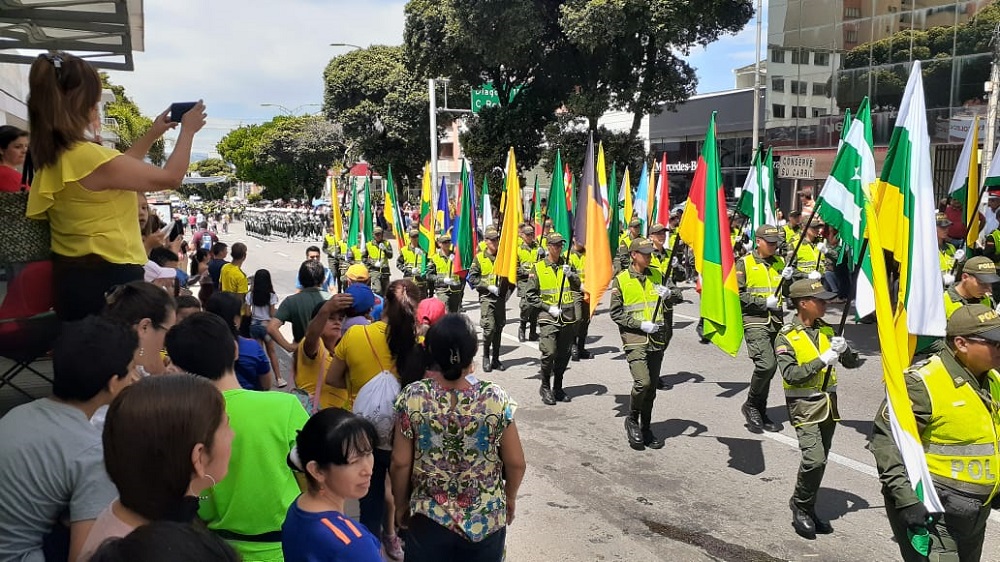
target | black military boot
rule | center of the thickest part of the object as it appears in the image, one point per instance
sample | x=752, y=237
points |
x=533, y=334
x=650, y=440
x=766, y=422
x=754, y=421
x=632, y=431
x=574, y=353
x=546, y=391
x=557, y=390
x=520, y=332
x=487, y=366
x=582, y=350
x=823, y=527
x=495, y=363
x=801, y=522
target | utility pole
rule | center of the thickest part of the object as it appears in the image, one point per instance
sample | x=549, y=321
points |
x=993, y=87
x=756, y=80
x=434, y=132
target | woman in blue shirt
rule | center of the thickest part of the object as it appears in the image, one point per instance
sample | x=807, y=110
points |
x=334, y=451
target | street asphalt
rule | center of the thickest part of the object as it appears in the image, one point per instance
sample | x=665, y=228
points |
x=715, y=492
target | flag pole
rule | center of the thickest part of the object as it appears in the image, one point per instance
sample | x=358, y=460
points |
x=666, y=274
x=569, y=246
x=847, y=309
x=795, y=254
x=968, y=226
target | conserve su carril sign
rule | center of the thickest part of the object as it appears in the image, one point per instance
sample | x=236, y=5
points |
x=797, y=167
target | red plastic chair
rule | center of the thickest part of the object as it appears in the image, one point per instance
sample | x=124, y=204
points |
x=28, y=325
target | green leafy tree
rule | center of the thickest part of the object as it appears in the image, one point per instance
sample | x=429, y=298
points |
x=210, y=167
x=569, y=135
x=130, y=123
x=208, y=191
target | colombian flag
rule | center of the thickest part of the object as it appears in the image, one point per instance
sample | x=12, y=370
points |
x=705, y=227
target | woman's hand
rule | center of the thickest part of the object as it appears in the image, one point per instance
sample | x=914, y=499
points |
x=162, y=124
x=195, y=118
x=510, y=511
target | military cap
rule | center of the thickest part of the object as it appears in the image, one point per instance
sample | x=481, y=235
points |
x=982, y=268
x=527, y=229
x=444, y=237
x=491, y=233
x=794, y=214
x=641, y=245
x=414, y=233
x=634, y=223
x=809, y=288
x=769, y=233
x=942, y=220
x=555, y=238
x=657, y=228
x=377, y=230
x=974, y=320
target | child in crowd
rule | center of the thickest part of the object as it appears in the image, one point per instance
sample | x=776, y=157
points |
x=262, y=301
x=186, y=306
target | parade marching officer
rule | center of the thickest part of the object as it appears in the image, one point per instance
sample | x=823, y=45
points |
x=554, y=278
x=528, y=254
x=805, y=349
x=978, y=276
x=758, y=275
x=622, y=257
x=492, y=299
x=332, y=249
x=954, y=396
x=410, y=262
x=635, y=295
x=379, y=252
x=448, y=287
x=947, y=254
x=808, y=262
x=577, y=257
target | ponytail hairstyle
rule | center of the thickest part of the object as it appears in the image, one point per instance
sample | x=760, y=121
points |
x=331, y=437
x=400, y=313
x=452, y=345
x=63, y=94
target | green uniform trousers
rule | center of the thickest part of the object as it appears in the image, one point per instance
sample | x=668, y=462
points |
x=529, y=314
x=492, y=317
x=814, y=442
x=583, y=324
x=956, y=536
x=452, y=300
x=760, y=348
x=645, y=368
x=554, y=342
x=380, y=283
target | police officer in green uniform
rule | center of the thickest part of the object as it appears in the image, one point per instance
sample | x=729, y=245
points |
x=792, y=231
x=808, y=262
x=350, y=255
x=554, y=291
x=411, y=262
x=622, y=260
x=577, y=257
x=807, y=350
x=492, y=299
x=641, y=301
x=448, y=287
x=332, y=249
x=378, y=253
x=759, y=274
x=528, y=253
x=660, y=258
x=947, y=254
x=954, y=396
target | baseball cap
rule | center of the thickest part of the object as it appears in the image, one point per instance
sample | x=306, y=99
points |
x=491, y=233
x=634, y=223
x=809, y=288
x=358, y=272
x=657, y=228
x=974, y=320
x=795, y=214
x=942, y=220
x=430, y=310
x=442, y=238
x=527, y=229
x=364, y=300
x=641, y=245
x=377, y=230
x=555, y=238
x=982, y=268
x=414, y=233
x=153, y=271
x=769, y=233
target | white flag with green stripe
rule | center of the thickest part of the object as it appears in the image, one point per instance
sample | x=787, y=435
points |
x=757, y=200
x=842, y=200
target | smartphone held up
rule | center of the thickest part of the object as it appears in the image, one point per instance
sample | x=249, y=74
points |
x=178, y=109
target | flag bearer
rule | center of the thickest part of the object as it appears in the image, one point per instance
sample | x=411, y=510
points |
x=411, y=262
x=806, y=349
x=622, y=257
x=448, y=287
x=660, y=258
x=555, y=292
x=792, y=231
x=351, y=255
x=332, y=249
x=379, y=252
x=954, y=396
x=808, y=262
x=577, y=257
x=492, y=299
x=635, y=294
x=528, y=253
x=758, y=275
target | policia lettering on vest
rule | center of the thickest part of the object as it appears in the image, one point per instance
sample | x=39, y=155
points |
x=758, y=275
x=641, y=305
x=528, y=254
x=955, y=397
x=806, y=349
x=554, y=291
x=492, y=299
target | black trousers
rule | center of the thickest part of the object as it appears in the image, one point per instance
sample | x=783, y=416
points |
x=426, y=541
x=81, y=283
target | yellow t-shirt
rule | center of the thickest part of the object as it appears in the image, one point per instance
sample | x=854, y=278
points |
x=233, y=280
x=308, y=371
x=362, y=364
x=86, y=222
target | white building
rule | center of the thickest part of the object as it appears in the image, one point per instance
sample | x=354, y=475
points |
x=14, y=95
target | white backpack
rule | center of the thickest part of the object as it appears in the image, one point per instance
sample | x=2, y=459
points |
x=376, y=401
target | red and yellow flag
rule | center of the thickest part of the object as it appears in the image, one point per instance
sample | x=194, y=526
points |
x=705, y=227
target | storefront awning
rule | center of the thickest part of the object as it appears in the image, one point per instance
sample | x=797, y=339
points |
x=105, y=32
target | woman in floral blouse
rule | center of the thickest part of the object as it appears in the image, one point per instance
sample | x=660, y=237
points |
x=457, y=460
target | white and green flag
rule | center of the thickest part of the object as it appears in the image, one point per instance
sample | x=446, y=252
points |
x=841, y=202
x=757, y=199
x=965, y=183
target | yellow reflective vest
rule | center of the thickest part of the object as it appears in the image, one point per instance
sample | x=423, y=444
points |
x=527, y=257
x=761, y=282
x=954, y=301
x=639, y=301
x=808, y=259
x=805, y=352
x=947, y=257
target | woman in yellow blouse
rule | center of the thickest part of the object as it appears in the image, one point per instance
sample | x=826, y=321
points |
x=88, y=192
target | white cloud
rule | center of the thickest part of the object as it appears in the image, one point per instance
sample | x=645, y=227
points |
x=237, y=54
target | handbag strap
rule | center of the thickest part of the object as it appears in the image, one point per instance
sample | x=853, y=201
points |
x=372, y=346
x=320, y=375
x=27, y=173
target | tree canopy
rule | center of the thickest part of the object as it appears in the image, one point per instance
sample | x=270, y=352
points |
x=130, y=122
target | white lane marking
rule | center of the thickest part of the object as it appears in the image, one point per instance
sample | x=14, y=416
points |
x=531, y=344
x=282, y=254
x=686, y=317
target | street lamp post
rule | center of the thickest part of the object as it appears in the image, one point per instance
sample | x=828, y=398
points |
x=290, y=112
x=347, y=45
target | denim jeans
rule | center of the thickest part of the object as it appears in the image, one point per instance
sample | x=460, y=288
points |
x=426, y=541
x=373, y=504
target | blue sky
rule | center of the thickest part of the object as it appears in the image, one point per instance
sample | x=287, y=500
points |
x=239, y=54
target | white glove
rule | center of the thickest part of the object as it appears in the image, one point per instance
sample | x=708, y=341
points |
x=555, y=311
x=494, y=289
x=567, y=269
x=997, y=309
x=772, y=302
x=747, y=246
x=787, y=273
x=378, y=263
x=661, y=291
x=649, y=327
x=948, y=279
x=959, y=255
x=815, y=275
x=829, y=357
x=821, y=247
x=838, y=344
x=381, y=246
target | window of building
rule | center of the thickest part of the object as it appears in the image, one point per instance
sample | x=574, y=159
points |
x=819, y=111
x=446, y=150
x=852, y=13
x=778, y=111
x=851, y=35
x=777, y=84
x=821, y=59
x=800, y=88
x=819, y=88
x=777, y=55
x=800, y=57
x=799, y=112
